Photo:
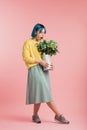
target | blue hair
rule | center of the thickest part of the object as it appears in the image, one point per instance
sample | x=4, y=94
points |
x=37, y=27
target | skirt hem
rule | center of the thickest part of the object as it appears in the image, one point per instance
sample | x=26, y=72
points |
x=39, y=102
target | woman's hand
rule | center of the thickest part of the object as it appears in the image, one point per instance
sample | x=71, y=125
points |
x=51, y=66
x=42, y=62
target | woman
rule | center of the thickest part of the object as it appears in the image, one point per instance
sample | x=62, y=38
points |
x=38, y=83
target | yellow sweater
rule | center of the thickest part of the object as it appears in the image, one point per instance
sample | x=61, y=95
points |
x=30, y=53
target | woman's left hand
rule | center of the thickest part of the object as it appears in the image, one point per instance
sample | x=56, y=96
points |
x=51, y=66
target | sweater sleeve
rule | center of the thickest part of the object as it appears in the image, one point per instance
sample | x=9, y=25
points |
x=26, y=54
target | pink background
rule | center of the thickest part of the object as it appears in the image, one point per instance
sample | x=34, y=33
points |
x=66, y=23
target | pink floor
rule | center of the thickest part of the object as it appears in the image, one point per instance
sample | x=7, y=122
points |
x=19, y=118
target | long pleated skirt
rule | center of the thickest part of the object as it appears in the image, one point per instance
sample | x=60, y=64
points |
x=38, y=86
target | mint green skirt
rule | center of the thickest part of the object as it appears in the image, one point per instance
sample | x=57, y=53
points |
x=38, y=86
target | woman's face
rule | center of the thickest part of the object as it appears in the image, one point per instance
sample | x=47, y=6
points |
x=40, y=35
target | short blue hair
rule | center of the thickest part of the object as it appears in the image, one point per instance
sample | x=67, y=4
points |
x=38, y=27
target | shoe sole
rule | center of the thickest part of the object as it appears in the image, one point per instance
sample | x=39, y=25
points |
x=62, y=122
x=36, y=122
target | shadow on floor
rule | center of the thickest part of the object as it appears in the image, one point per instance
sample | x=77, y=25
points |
x=18, y=118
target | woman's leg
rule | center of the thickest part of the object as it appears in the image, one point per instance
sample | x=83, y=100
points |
x=53, y=108
x=36, y=108
x=58, y=116
x=35, y=116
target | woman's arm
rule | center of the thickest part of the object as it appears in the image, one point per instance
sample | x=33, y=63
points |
x=26, y=54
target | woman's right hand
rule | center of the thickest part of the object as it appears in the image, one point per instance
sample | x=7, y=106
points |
x=42, y=62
